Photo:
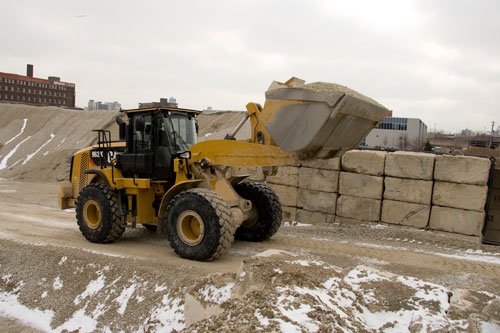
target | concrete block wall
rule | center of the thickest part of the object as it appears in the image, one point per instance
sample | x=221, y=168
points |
x=308, y=192
x=446, y=193
x=460, y=193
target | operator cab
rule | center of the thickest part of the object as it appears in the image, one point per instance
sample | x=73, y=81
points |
x=154, y=137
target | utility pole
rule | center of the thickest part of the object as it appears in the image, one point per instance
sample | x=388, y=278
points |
x=490, y=141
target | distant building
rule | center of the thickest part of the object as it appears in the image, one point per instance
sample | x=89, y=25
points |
x=107, y=106
x=164, y=102
x=397, y=133
x=450, y=143
x=466, y=132
x=30, y=90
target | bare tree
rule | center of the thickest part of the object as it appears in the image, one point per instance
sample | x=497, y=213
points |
x=415, y=144
x=403, y=142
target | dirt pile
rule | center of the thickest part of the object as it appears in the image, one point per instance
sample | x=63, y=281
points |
x=36, y=143
x=275, y=291
x=215, y=126
x=280, y=291
x=333, y=88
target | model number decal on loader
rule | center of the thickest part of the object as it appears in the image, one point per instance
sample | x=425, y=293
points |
x=97, y=156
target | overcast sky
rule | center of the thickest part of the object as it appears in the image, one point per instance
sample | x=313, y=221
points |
x=434, y=60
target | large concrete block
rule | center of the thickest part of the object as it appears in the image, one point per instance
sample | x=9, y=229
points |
x=289, y=213
x=405, y=213
x=364, y=161
x=462, y=169
x=286, y=175
x=359, y=185
x=463, y=196
x=286, y=194
x=460, y=221
x=305, y=216
x=358, y=208
x=311, y=200
x=408, y=190
x=409, y=165
x=329, y=164
x=319, y=179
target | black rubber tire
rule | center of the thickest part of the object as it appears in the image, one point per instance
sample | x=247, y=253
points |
x=150, y=227
x=110, y=227
x=217, y=220
x=269, y=214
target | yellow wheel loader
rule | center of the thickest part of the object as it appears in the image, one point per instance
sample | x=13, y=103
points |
x=157, y=174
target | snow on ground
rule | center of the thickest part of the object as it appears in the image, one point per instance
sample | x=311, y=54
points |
x=25, y=121
x=218, y=295
x=278, y=291
x=426, y=305
x=40, y=220
x=102, y=297
x=30, y=156
x=470, y=255
x=307, y=295
x=296, y=224
x=12, y=308
x=3, y=163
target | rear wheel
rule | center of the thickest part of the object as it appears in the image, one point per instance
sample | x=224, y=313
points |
x=269, y=214
x=97, y=214
x=199, y=225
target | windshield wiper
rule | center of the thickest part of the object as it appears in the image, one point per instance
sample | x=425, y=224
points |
x=177, y=136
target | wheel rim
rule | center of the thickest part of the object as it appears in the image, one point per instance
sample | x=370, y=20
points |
x=190, y=227
x=92, y=214
x=252, y=219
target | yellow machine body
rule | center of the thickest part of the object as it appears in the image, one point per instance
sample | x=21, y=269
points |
x=218, y=153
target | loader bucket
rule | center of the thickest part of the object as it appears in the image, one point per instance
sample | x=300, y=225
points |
x=318, y=120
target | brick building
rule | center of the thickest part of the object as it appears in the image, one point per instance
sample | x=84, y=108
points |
x=30, y=90
x=164, y=102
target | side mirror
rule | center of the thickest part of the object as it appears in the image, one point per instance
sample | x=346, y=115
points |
x=122, y=127
x=185, y=155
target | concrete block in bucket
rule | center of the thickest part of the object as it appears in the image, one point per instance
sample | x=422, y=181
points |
x=319, y=120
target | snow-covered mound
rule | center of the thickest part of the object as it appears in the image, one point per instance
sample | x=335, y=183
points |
x=36, y=143
x=87, y=290
x=284, y=292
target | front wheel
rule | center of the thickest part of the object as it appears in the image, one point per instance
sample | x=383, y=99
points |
x=269, y=214
x=199, y=225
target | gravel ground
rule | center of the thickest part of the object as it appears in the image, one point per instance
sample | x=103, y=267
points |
x=139, y=284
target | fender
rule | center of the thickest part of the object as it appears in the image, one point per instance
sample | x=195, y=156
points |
x=100, y=174
x=171, y=193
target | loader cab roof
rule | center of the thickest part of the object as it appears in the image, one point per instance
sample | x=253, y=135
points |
x=188, y=112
